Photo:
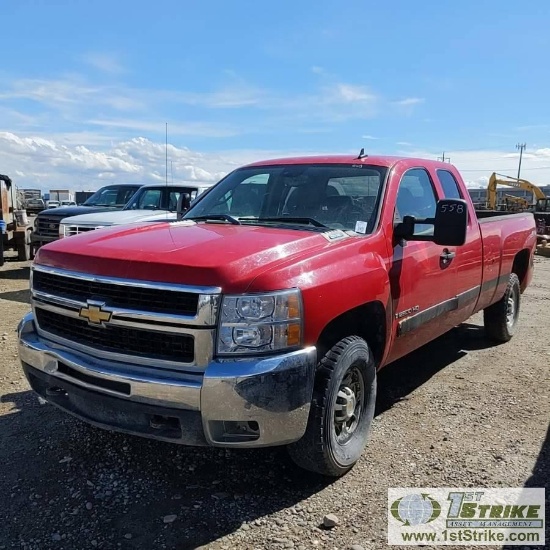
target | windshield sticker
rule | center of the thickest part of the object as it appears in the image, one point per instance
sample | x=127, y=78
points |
x=183, y=222
x=360, y=227
x=334, y=235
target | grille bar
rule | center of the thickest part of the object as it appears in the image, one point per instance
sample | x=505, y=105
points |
x=48, y=226
x=113, y=338
x=71, y=230
x=141, y=298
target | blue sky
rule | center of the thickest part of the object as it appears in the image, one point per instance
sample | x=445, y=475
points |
x=88, y=86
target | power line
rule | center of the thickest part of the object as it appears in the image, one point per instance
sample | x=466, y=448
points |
x=502, y=169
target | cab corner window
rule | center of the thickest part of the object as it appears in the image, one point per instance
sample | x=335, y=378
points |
x=449, y=184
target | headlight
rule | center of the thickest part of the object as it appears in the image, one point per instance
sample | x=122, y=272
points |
x=255, y=323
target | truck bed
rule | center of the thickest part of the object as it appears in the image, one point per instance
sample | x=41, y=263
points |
x=486, y=215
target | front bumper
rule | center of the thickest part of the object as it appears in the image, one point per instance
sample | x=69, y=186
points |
x=256, y=402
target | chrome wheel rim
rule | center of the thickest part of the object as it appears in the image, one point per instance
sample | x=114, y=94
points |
x=348, y=405
x=511, y=309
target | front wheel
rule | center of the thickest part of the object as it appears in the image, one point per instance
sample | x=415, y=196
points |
x=341, y=412
x=501, y=318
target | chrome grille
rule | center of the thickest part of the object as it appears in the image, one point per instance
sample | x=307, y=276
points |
x=154, y=345
x=48, y=227
x=139, y=322
x=116, y=295
x=70, y=230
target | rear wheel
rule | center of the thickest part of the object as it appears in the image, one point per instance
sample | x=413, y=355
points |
x=501, y=318
x=341, y=412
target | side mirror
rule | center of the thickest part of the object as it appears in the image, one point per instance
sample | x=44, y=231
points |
x=184, y=201
x=450, y=224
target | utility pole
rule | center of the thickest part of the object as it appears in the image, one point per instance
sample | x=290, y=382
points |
x=443, y=159
x=521, y=147
x=166, y=149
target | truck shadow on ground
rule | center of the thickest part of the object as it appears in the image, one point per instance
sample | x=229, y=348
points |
x=131, y=483
x=399, y=379
x=22, y=296
x=539, y=479
x=14, y=273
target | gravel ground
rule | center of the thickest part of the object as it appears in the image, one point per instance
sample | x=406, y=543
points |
x=459, y=412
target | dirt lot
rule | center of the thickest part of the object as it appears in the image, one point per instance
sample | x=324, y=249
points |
x=456, y=413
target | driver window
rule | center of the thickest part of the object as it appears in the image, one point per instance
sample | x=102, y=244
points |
x=150, y=199
x=416, y=197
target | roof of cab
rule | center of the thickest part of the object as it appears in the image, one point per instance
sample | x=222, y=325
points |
x=378, y=160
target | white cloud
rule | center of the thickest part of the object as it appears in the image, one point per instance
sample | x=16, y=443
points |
x=104, y=62
x=349, y=93
x=47, y=163
x=369, y=137
x=476, y=166
x=407, y=102
x=203, y=129
x=73, y=94
x=74, y=103
x=87, y=161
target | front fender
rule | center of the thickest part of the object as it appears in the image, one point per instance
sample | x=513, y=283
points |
x=333, y=281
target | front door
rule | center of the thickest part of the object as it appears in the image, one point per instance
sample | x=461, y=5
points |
x=422, y=282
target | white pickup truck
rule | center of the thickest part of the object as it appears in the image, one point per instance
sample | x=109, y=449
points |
x=151, y=203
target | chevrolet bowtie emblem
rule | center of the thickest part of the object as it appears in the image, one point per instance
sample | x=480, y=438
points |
x=95, y=315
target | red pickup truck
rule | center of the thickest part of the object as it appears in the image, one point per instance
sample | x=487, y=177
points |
x=263, y=314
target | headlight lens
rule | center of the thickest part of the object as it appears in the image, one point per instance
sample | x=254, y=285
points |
x=260, y=322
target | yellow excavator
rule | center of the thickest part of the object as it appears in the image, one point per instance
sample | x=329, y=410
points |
x=501, y=179
x=516, y=204
x=541, y=208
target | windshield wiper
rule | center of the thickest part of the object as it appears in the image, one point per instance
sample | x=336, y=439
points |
x=289, y=219
x=215, y=217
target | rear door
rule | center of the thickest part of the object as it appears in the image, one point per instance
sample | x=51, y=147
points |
x=466, y=261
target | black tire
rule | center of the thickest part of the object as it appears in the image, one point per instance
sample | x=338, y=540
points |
x=328, y=447
x=1, y=249
x=501, y=318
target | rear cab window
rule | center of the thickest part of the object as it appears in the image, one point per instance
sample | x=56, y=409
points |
x=449, y=184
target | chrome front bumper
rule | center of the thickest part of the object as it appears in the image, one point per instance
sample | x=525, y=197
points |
x=248, y=402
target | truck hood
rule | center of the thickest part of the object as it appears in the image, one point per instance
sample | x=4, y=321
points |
x=66, y=211
x=203, y=254
x=119, y=217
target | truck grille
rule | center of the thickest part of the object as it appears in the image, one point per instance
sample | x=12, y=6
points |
x=150, y=344
x=140, y=321
x=48, y=227
x=115, y=295
x=71, y=230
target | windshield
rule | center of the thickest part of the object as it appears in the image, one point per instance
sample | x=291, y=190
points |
x=338, y=196
x=115, y=196
x=159, y=198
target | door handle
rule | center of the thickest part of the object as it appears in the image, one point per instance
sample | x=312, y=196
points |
x=447, y=256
